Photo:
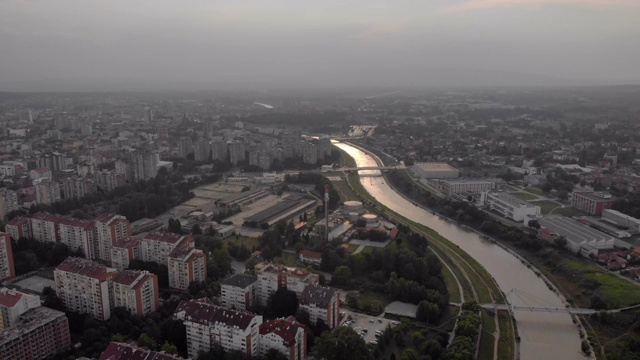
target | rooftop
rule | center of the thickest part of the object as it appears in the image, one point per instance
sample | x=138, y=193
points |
x=30, y=320
x=127, y=242
x=285, y=329
x=597, y=196
x=435, y=166
x=239, y=280
x=9, y=297
x=129, y=277
x=321, y=296
x=69, y=221
x=107, y=218
x=573, y=230
x=311, y=254
x=510, y=199
x=162, y=236
x=122, y=351
x=85, y=267
x=203, y=311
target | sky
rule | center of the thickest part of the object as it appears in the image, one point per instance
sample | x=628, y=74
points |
x=131, y=44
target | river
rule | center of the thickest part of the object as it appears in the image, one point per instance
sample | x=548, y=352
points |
x=543, y=335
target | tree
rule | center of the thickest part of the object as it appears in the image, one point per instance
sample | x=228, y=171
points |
x=534, y=224
x=282, y=303
x=145, y=340
x=174, y=226
x=409, y=354
x=196, y=230
x=547, y=187
x=427, y=311
x=342, y=343
x=561, y=242
x=342, y=275
x=169, y=348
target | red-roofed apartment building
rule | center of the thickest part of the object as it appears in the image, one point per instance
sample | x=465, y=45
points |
x=157, y=245
x=14, y=303
x=310, y=257
x=208, y=324
x=84, y=286
x=109, y=228
x=44, y=226
x=123, y=251
x=137, y=291
x=7, y=269
x=122, y=351
x=18, y=227
x=321, y=303
x=287, y=336
x=186, y=264
x=77, y=235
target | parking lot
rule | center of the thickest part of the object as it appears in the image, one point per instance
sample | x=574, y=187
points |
x=366, y=325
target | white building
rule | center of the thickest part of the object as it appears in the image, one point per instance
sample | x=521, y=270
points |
x=43, y=226
x=287, y=336
x=109, y=228
x=7, y=268
x=510, y=206
x=322, y=304
x=186, y=264
x=475, y=186
x=123, y=251
x=157, y=245
x=580, y=238
x=620, y=219
x=208, y=325
x=77, y=235
x=238, y=292
x=271, y=277
x=84, y=286
x=433, y=170
x=137, y=291
x=8, y=201
x=14, y=303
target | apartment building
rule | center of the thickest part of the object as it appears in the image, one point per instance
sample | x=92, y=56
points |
x=510, y=206
x=186, y=264
x=322, y=304
x=14, y=303
x=77, y=234
x=208, y=324
x=38, y=333
x=238, y=291
x=44, y=226
x=122, y=351
x=157, y=245
x=137, y=291
x=271, y=277
x=18, y=227
x=8, y=202
x=7, y=268
x=593, y=203
x=287, y=336
x=123, y=251
x=84, y=286
x=109, y=228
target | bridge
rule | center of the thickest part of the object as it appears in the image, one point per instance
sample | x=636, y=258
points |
x=535, y=304
x=381, y=168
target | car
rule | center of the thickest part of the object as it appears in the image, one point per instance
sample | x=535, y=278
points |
x=380, y=320
x=371, y=321
x=365, y=331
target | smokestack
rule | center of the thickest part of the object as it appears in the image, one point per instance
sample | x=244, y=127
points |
x=326, y=212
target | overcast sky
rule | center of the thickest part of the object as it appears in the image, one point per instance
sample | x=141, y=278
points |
x=323, y=43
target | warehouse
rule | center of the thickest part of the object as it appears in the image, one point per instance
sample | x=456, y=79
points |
x=290, y=207
x=580, y=238
x=433, y=170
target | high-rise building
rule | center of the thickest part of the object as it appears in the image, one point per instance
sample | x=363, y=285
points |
x=109, y=229
x=137, y=291
x=271, y=277
x=123, y=251
x=144, y=165
x=8, y=201
x=186, y=264
x=238, y=292
x=236, y=152
x=48, y=192
x=157, y=245
x=44, y=226
x=185, y=146
x=77, y=234
x=14, y=303
x=287, y=336
x=219, y=149
x=310, y=153
x=85, y=286
x=39, y=333
x=322, y=304
x=208, y=325
x=7, y=268
x=108, y=180
x=19, y=227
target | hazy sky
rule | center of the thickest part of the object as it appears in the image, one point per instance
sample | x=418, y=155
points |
x=323, y=43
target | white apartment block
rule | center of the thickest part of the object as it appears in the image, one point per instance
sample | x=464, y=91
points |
x=322, y=304
x=208, y=325
x=271, y=277
x=109, y=228
x=510, y=206
x=48, y=192
x=8, y=201
x=137, y=291
x=77, y=235
x=7, y=268
x=18, y=227
x=286, y=336
x=14, y=303
x=186, y=264
x=84, y=286
x=238, y=292
x=156, y=246
x=123, y=251
x=44, y=227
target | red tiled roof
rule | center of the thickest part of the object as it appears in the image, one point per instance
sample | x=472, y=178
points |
x=393, y=233
x=107, y=218
x=203, y=311
x=311, y=254
x=126, y=242
x=85, y=267
x=19, y=220
x=128, y=277
x=164, y=237
x=122, y=351
x=45, y=216
x=9, y=297
x=285, y=329
x=69, y=221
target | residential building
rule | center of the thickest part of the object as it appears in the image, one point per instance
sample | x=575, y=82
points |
x=8, y=202
x=14, y=303
x=236, y=152
x=44, y=226
x=613, y=216
x=39, y=333
x=593, y=203
x=18, y=227
x=310, y=257
x=48, y=192
x=238, y=292
x=123, y=251
x=85, y=286
x=322, y=303
x=137, y=291
x=77, y=234
x=580, y=237
x=310, y=153
x=271, y=277
x=144, y=164
x=157, y=245
x=108, y=180
x=287, y=336
x=208, y=324
x=186, y=264
x=109, y=229
x=7, y=268
x=510, y=206
x=122, y=351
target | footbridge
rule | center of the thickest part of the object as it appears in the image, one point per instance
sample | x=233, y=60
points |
x=535, y=304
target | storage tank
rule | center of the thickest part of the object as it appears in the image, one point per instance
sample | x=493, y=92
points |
x=371, y=220
x=353, y=217
x=353, y=206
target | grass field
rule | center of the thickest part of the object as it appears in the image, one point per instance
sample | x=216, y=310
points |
x=525, y=196
x=485, y=351
x=243, y=240
x=535, y=190
x=616, y=292
x=506, y=341
x=288, y=259
x=546, y=206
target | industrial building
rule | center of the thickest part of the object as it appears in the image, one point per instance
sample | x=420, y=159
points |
x=580, y=237
x=471, y=186
x=615, y=217
x=434, y=170
x=593, y=203
x=510, y=206
x=243, y=198
x=290, y=207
